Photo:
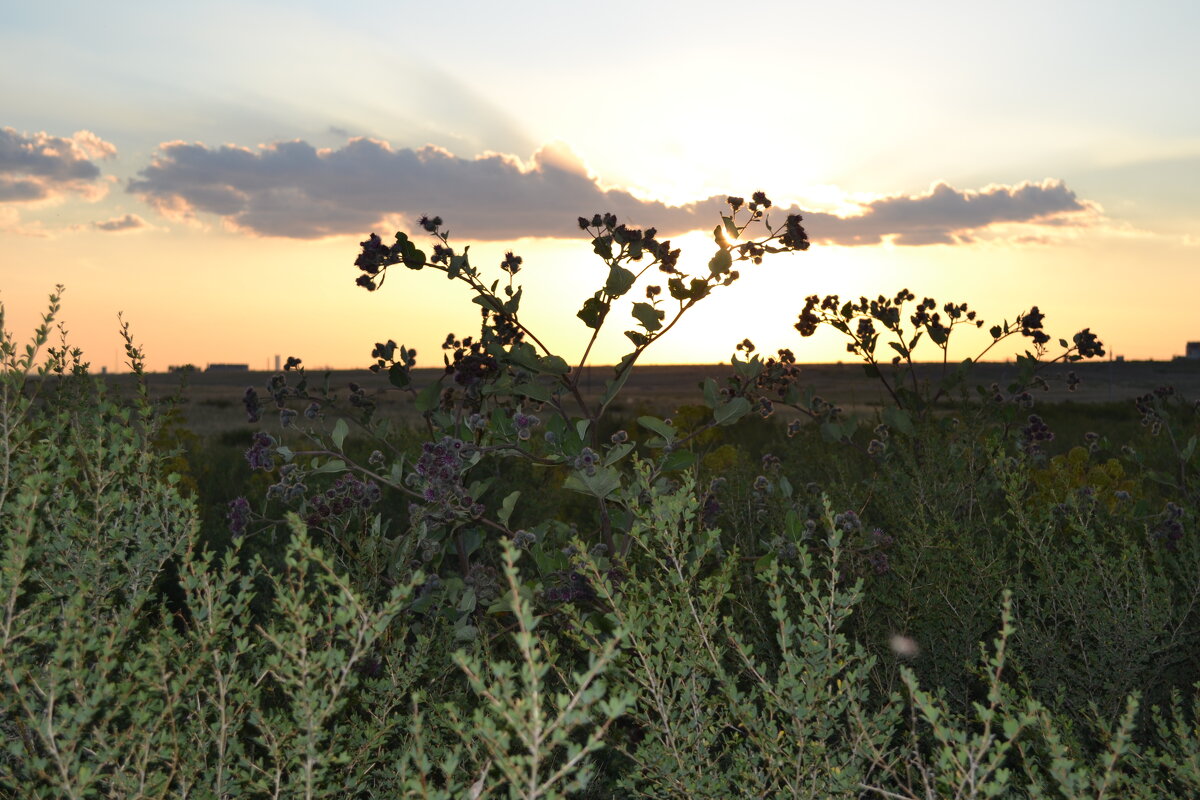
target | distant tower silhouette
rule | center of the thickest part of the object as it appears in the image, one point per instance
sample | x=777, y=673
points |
x=277, y=362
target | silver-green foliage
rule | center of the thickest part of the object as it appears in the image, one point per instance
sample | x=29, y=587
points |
x=716, y=715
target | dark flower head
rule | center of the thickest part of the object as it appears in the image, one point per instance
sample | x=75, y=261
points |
x=238, y=515
x=511, y=263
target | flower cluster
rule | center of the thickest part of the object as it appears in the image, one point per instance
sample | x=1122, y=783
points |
x=524, y=425
x=1169, y=528
x=384, y=354
x=1087, y=344
x=469, y=363
x=437, y=475
x=1149, y=406
x=347, y=494
x=253, y=408
x=1035, y=433
x=238, y=515
x=848, y=522
x=1031, y=326
x=587, y=461
x=878, y=542
x=261, y=453
x=290, y=488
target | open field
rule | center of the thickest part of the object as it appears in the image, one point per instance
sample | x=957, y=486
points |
x=212, y=400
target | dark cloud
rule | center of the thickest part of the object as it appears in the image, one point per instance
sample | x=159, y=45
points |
x=39, y=167
x=945, y=215
x=293, y=189
x=129, y=222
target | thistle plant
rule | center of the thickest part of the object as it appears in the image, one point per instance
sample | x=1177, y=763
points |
x=913, y=390
x=508, y=394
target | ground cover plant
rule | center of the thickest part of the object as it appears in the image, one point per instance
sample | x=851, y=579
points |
x=535, y=593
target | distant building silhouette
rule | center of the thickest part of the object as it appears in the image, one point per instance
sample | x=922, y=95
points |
x=1193, y=350
x=182, y=368
x=227, y=368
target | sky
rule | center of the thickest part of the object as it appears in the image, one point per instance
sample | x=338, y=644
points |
x=208, y=169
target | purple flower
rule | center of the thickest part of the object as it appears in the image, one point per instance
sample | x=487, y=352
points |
x=259, y=455
x=238, y=515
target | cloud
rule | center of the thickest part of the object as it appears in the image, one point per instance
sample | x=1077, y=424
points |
x=945, y=215
x=293, y=189
x=129, y=222
x=39, y=168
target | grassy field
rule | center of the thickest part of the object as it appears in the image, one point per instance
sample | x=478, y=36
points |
x=212, y=400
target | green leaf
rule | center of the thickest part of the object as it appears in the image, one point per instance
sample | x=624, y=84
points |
x=785, y=487
x=620, y=281
x=617, y=452
x=553, y=365
x=639, y=339
x=593, y=312
x=1186, y=455
x=472, y=538
x=677, y=460
x=398, y=376
x=898, y=419
x=656, y=425
x=730, y=227
x=413, y=258
x=731, y=412
x=606, y=481
x=340, y=429
x=523, y=355
x=650, y=317
x=427, y=399
x=514, y=302
x=506, y=507
x=534, y=391
x=488, y=302
x=613, y=385
x=332, y=465
x=720, y=263
x=709, y=387
x=466, y=603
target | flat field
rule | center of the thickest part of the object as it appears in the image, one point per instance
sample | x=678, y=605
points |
x=212, y=401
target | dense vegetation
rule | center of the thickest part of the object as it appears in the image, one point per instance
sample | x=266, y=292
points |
x=532, y=595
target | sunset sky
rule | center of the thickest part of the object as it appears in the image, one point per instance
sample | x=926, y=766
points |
x=209, y=168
